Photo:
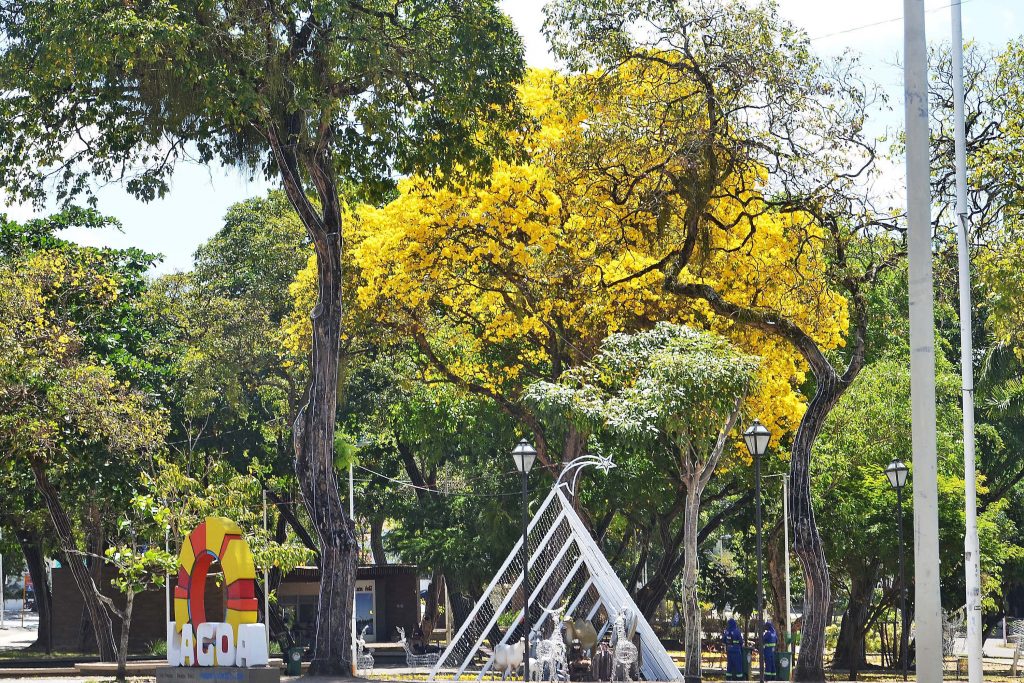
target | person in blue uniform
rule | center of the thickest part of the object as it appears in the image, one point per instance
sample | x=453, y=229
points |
x=769, y=639
x=733, y=640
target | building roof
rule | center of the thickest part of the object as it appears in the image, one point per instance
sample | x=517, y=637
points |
x=366, y=571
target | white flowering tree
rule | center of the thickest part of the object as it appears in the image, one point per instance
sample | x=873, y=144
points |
x=671, y=389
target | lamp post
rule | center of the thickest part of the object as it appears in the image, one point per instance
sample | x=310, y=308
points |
x=897, y=473
x=524, y=454
x=3, y=583
x=757, y=437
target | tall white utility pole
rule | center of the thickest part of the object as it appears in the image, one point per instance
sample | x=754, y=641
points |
x=3, y=602
x=167, y=579
x=972, y=558
x=352, y=516
x=266, y=574
x=927, y=601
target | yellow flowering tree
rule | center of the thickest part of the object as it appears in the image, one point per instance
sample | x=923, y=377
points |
x=520, y=277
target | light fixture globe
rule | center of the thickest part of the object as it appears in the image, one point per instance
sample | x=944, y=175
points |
x=524, y=454
x=757, y=437
x=897, y=473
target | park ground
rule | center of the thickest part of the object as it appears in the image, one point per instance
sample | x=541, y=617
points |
x=14, y=637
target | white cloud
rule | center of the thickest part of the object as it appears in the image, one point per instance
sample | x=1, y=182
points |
x=15, y=211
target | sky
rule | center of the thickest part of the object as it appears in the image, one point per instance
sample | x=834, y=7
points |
x=200, y=196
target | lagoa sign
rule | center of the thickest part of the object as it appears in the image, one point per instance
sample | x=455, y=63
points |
x=238, y=640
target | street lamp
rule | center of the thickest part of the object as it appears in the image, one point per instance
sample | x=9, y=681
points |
x=897, y=473
x=524, y=454
x=757, y=437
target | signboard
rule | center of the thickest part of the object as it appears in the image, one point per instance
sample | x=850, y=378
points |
x=236, y=640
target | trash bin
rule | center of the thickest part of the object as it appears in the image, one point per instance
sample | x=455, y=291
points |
x=294, y=661
x=748, y=654
x=784, y=664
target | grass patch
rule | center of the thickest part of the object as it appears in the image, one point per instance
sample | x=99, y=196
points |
x=37, y=655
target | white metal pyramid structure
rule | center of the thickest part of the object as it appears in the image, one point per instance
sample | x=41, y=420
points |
x=566, y=568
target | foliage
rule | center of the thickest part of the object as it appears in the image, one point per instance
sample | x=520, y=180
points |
x=234, y=388
x=870, y=427
x=209, y=81
x=780, y=133
x=178, y=501
x=673, y=393
x=994, y=131
x=321, y=95
x=58, y=394
x=519, y=278
x=671, y=386
x=452, y=448
x=75, y=391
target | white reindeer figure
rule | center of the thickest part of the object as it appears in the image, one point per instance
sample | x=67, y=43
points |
x=551, y=657
x=626, y=654
x=364, y=660
x=413, y=660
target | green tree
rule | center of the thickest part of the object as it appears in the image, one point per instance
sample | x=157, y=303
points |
x=140, y=564
x=310, y=93
x=234, y=387
x=994, y=134
x=25, y=529
x=673, y=390
x=73, y=412
x=869, y=427
x=452, y=518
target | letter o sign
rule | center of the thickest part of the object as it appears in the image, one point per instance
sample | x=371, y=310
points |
x=215, y=539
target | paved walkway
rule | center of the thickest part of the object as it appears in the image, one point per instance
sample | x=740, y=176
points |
x=13, y=636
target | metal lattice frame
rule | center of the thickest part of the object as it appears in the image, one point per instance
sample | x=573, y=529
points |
x=566, y=566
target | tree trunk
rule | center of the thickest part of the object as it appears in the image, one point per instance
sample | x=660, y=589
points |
x=850, y=652
x=807, y=543
x=313, y=429
x=433, y=599
x=650, y=596
x=829, y=387
x=284, y=509
x=279, y=630
x=314, y=467
x=95, y=545
x=103, y=628
x=638, y=568
x=669, y=565
x=377, y=541
x=691, y=609
x=126, y=622
x=777, y=576
x=32, y=549
x=275, y=622
x=575, y=446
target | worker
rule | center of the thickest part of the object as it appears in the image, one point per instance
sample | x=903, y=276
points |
x=769, y=640
x=733, y=640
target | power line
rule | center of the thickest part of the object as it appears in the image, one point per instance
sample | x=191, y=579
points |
x=885, y=21
x=440, y=492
